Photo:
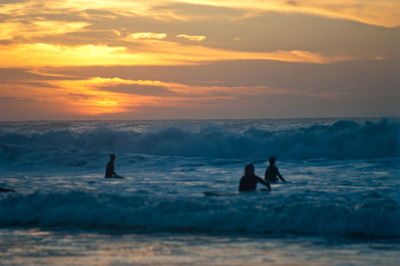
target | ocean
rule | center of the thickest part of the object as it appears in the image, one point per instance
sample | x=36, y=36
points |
x=340, y=206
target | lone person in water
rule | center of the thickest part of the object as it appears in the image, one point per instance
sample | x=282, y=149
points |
x=110, y=173
x=272, y=172
x=6, y=190
x=249, y=181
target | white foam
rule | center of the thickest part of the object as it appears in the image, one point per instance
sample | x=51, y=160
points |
x=298, y=214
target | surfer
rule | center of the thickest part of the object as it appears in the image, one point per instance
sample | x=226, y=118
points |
x=249, y=181
x=272, y=172
x=6, y=190
x=110, y=173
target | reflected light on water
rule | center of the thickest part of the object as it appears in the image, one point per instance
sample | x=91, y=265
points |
x=35, y=246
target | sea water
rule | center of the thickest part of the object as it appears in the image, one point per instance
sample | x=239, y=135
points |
x=340, y=206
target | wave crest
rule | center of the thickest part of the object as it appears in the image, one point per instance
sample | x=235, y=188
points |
x=341, y=140
x=298, y=214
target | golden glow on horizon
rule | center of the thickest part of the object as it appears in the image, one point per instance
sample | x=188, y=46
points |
x=98, y=95
x=181, y=93
x=92, y=101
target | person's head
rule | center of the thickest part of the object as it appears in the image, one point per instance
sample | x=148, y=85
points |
x=249, y=169
x=112, y=156
x=272, y=160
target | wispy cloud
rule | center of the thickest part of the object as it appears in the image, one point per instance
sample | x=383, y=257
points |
x=38, y=28
x=147, y=35
x=385, y=13
x=195, y=38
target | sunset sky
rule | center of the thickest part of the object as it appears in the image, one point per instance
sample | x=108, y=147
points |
x=151, y=59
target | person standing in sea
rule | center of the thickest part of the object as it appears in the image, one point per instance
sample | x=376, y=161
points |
x=272, y=172
x=249, y=181
x=110, y=173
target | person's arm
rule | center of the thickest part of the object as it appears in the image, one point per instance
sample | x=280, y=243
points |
x=280, y=176
x=266, y=183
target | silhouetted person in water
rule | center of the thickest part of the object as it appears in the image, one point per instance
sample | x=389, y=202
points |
x=110, y=173
x=249, y=181
x=272, y=172
x=6, y=190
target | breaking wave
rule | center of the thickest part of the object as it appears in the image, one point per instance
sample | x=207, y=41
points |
x=340, y=140
x=372, y=215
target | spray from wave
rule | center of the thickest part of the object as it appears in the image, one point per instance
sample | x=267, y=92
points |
x=341, y=140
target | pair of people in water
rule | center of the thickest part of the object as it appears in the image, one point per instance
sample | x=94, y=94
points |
x=249, y=181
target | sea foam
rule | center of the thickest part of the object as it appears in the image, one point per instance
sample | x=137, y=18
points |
x=254, y=214
x=57, y=173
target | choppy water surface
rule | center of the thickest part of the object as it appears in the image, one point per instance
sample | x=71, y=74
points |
x=341, y=204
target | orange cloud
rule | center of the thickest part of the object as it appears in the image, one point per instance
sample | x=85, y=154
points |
x=122, y=48
x=180, y=89
x=153, y=53
x=42, y=54
x=385, y=13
